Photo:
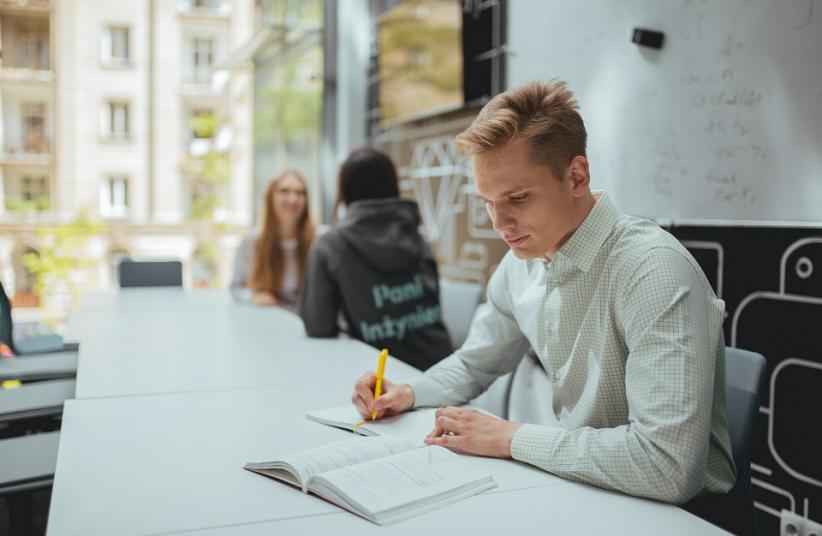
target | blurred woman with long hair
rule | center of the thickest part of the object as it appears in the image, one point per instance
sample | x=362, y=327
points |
x=270, y=261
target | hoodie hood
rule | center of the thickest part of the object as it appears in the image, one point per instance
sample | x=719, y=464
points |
x=384, y=233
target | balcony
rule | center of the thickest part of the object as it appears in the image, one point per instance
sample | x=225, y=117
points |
x=26, y=6
x=25, y=46
x=35, y=150
x=208, y=9
x=26, y=75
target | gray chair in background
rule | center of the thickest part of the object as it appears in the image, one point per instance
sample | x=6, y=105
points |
x=150, y=273
x=744, y=387
x=458, y=301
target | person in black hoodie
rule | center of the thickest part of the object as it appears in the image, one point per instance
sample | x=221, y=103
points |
x=376, y=269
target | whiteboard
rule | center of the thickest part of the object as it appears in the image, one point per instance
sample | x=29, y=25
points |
x=723, y=123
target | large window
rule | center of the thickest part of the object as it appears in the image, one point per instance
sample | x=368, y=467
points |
x=27, y=192
x=116, y=46
x=288, y=96
x=34, y=48
x=33, y=116
x=33, y=188
x=114, y=197
x=203, y=59
x=115, y=120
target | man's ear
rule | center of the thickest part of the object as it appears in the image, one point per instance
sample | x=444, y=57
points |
x=580, y=177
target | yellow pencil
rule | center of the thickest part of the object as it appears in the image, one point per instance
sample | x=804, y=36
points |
x=380, y=373
x=377, y=388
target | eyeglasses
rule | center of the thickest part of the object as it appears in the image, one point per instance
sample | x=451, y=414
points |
x=286, y=192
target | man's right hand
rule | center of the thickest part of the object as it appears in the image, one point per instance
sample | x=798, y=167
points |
x=395, y=398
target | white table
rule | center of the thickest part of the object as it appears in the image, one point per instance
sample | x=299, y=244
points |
x=152, y=299
x=84, y=322
x=173, y=462
x=565, y=509
x=134, y=348
x=166, y=422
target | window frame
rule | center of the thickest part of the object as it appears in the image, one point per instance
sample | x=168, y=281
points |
x=108, y=43
x=114, y=196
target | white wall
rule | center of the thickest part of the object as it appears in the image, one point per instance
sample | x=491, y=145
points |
x=83, y=86
x=724, y=122
x=168, y=192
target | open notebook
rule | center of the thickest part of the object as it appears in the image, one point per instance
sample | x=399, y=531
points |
x=414, y=425
x=383, y=479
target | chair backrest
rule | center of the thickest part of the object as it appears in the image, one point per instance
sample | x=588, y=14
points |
x=6, y=330
x=150, y=273
x=458, y=301
x=744, y=385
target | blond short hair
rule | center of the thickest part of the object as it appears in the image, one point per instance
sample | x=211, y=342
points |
x=543, y=114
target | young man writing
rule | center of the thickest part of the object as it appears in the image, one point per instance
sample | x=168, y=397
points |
x=618, y=313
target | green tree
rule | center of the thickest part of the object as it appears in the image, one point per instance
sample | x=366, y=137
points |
x=64, y=249
x=288, y=114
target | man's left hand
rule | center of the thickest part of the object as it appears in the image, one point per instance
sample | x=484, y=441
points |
x=472, y=432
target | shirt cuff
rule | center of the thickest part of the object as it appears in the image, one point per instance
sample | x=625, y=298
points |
x=534, y=444
x=427, y=392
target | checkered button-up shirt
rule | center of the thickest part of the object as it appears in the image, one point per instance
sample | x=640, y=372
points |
x=630, y=334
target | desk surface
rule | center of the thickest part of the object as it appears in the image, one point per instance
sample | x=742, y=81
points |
x=174, y=462
x=135, y=348
x=565, y=509
x=153, y=299
x=83, y=323
x=177, y=390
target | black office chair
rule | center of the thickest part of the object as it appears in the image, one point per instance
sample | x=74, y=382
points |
x=744, y=385
x=150, y=273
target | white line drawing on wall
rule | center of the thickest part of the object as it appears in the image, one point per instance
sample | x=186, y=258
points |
x=802, y=269
x=782, y=463
x=441, y=183
x=473, y=261
x=720, y=259
x=759, y=294
x=760, y=469
x=479, y=223
x=779, y=491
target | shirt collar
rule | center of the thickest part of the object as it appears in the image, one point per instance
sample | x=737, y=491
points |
x=582, y=247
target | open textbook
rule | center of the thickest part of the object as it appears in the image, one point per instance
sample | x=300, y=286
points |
x=383, y=479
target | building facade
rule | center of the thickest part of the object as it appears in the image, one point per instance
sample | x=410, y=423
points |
x=115, y=109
